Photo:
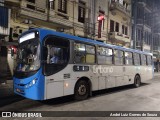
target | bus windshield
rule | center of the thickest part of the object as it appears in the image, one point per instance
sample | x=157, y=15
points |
x=28, y=57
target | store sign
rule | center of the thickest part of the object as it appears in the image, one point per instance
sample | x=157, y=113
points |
x=100, y=17
x=100, y=24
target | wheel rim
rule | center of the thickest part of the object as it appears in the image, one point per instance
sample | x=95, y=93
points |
x=82, y=90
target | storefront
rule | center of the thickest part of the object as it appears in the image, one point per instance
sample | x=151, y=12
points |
x=4, y=32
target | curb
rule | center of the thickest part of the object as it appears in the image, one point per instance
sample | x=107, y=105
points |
x=7, y=82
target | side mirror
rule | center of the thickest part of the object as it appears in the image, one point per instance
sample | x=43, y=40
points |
x=12, y=52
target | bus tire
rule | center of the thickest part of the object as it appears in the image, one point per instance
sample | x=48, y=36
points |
x=81, y=91
x=137, y=81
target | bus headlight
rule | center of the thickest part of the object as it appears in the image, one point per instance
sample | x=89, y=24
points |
x=31, y=83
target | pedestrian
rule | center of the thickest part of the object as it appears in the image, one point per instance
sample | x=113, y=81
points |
x=157, y=65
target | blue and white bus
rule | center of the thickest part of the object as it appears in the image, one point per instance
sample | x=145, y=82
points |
x=52, y=64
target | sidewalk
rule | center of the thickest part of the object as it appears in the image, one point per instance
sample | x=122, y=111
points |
x=7, y=95
x=6, y=89
x=156, y=74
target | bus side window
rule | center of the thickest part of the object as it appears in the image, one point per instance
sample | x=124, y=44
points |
x=136, y=59
x=143, y=59
x=80, y=50
x=149, y=60
x=105, y=55
x=55, y=55
x=109, y=56
x=84, y=53
x=128, y=58
x=119, y=57
x=101, y=55
x=90, y=54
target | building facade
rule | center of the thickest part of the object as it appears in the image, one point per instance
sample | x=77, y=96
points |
x=4, y=20
x=100, y=19
x=142, y=25
x=4, y=32
x=77, y=17
x=156, y=26
x=119, y=27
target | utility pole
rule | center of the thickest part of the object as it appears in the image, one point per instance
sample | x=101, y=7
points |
x=134, y=3
x=143, y=33
x=152, y=28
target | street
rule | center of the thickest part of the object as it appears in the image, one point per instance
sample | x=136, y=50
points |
x=126, y=98
x=54, y=48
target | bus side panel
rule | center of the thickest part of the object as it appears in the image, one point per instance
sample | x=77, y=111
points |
x=69, y=87
x=144, y=74
x=102, y=82
x=94, y=82
x=118, y=72
x=110, y=82
x=54, y=89
x=61, y=83
x=149, y=72
x=129, y=74
x=59, y=88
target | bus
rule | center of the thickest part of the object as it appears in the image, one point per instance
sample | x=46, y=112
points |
x=51, y=64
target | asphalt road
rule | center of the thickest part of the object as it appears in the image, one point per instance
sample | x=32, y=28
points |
x=126, y=98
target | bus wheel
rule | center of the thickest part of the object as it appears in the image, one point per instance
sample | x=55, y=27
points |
x=137, y=81
x=81, y=90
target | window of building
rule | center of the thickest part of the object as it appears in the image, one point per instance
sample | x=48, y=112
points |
x=117, y=27
x=84, y=53
x=128, y=58
x=20, y=31
x=62, y=6
x=111, y=26
x=81, y=12
x=132, y=32
x=31, y=7
x=140, y=13
x=125, y=4
x=145, y=37
x=32, y=1
x=105, y=55
x=124, y=30
x=52, y=4
x=34, y=5
x=136, y=59
x=119, y=57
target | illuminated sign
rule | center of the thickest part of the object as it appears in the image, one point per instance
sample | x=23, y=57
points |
x=101, y=17
x=27, y=37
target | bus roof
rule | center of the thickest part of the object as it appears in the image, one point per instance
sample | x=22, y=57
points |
x=45, y=32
